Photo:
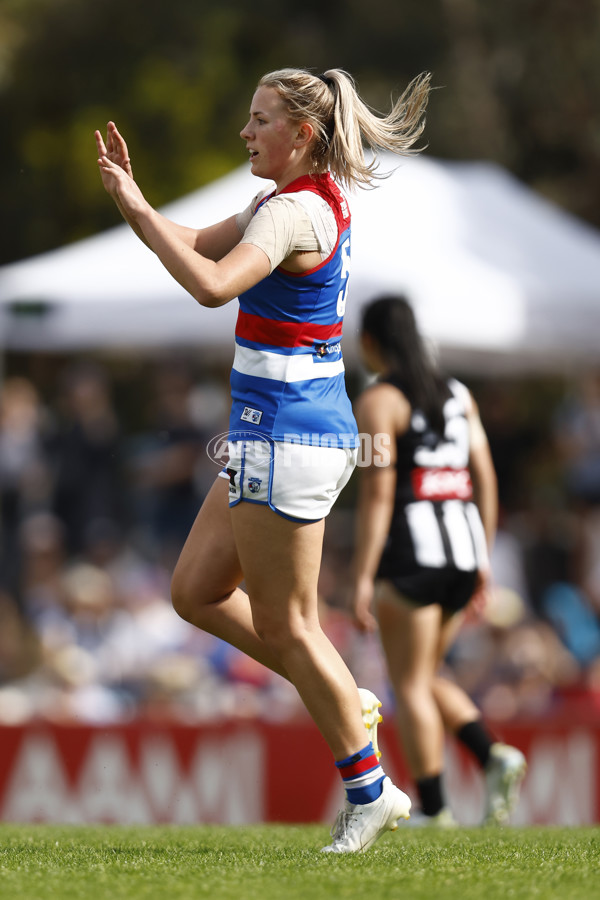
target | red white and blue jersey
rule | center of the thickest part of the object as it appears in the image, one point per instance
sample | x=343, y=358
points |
x=287, y=380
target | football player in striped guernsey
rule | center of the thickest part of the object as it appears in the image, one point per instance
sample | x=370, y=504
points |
x=426, y=517
x=292, y=434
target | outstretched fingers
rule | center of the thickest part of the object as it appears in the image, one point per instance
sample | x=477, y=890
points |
x=117, y=136
x=102, y=151
x=109, y=139
x=119, y=147
x=115, y=148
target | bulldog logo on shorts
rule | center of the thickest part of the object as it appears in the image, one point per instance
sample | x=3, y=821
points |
x=254, y=485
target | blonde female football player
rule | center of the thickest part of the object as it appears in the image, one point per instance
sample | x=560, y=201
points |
x=286, y=257
x=426, y=517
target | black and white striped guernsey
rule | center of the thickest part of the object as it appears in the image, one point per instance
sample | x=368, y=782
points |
x=435, y=523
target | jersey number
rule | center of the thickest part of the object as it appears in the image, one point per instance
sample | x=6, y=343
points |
x=342, y=296
x=453, y=451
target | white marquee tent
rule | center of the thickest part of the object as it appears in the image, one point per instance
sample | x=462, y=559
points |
x=499, y=277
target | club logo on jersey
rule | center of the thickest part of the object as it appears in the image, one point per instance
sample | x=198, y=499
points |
x=254, y=485
x=251, y=415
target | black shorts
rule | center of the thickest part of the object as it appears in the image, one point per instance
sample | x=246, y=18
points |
x=451, y=588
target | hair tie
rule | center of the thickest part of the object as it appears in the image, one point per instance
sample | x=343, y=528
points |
x=326, y=80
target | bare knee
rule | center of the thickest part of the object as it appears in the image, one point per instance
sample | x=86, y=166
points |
x=198, y=600
x=182, y=595
x=190, y=596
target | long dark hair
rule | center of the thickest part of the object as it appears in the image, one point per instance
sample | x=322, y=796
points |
x=390, y=321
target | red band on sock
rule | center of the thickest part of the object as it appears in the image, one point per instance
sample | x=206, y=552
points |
x=357, y=768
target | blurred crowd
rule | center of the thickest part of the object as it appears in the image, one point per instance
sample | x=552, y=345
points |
x=96, y=501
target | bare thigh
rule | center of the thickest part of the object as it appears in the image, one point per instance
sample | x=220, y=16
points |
x=281, y=561
x=411, y=636
x=205, y=587
x=208, y=569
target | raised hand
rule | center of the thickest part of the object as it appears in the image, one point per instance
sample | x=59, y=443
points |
x=116, y=148
x=117, y=181
x=117, y=177
x=107, y=179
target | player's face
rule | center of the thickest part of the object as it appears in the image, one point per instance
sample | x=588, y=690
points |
x=269, y=136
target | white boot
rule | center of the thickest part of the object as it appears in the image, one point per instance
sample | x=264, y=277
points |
x=359, y=825
x=504, y=773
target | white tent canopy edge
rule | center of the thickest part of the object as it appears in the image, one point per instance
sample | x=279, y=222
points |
x=500, y=278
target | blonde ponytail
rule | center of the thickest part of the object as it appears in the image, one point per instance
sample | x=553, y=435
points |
x=344, y=124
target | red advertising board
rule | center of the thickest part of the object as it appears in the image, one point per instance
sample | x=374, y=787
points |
x=245, y=772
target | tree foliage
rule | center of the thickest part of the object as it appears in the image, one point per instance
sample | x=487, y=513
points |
x=519, y=83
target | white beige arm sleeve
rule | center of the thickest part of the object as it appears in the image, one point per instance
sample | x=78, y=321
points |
x=244, y=218
x=286, y=223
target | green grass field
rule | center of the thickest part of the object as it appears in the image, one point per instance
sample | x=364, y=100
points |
x=267, y=862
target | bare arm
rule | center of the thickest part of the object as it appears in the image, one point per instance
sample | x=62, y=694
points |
x=212, y=282
x=384, y=412
x=483, y=474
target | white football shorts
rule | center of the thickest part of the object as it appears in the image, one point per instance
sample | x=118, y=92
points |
x=298, y=481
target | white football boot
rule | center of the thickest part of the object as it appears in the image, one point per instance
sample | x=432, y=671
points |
x=359, y=825
x=504, y=773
